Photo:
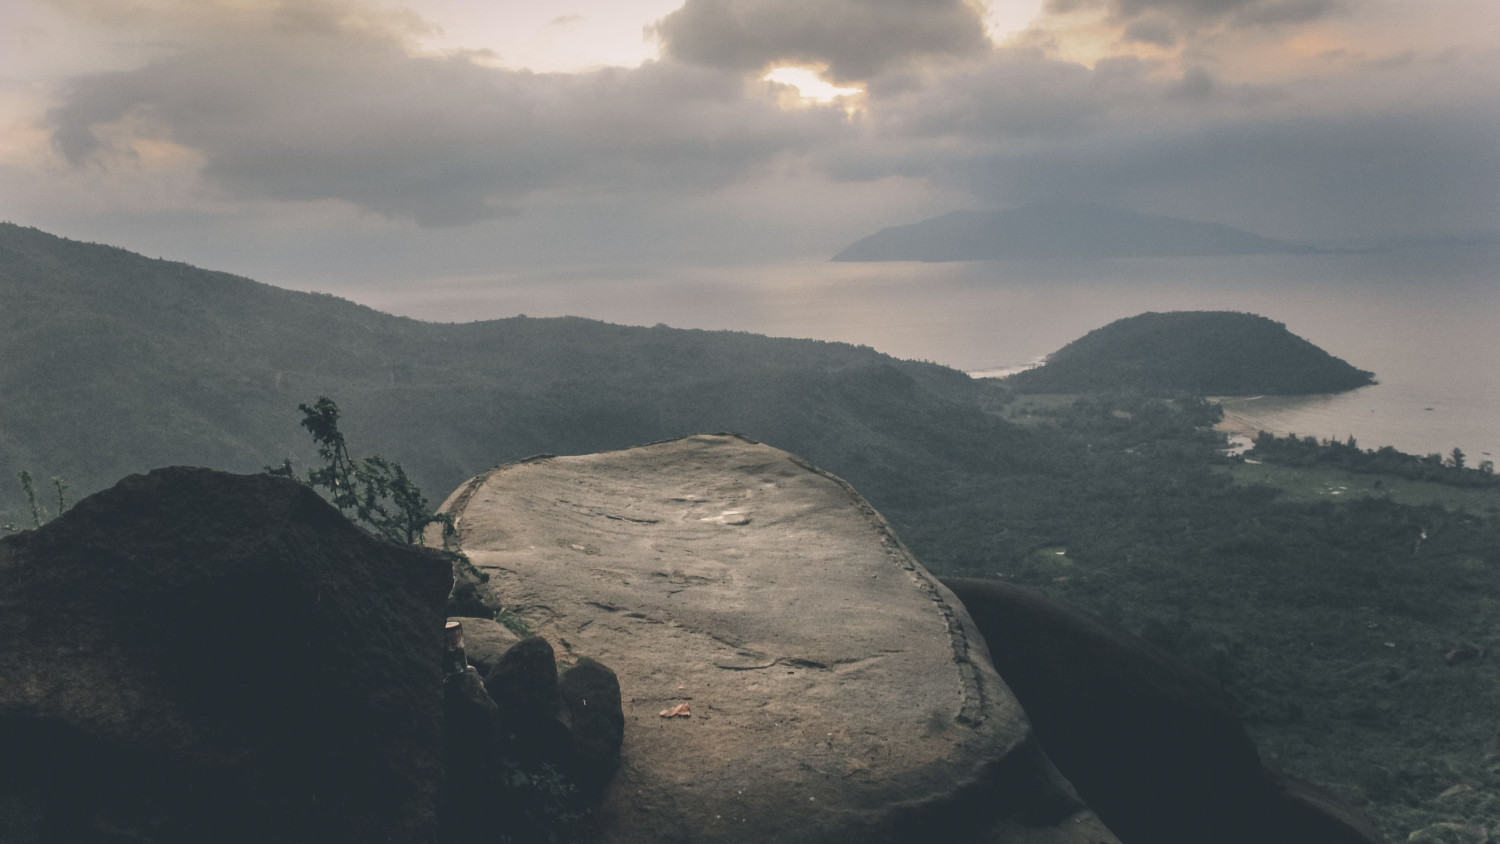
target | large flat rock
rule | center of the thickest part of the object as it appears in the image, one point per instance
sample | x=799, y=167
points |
x=836, y=690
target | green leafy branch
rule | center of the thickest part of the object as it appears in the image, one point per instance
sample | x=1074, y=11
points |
x=39, y=514
x=376, y=491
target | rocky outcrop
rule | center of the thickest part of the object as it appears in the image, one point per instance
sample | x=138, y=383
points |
x=197, y=656
x=527, y=755
x=1150, y=742
x=788, y=672
x=590, y=693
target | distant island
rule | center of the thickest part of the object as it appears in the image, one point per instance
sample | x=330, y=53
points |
x=1060, y=230
x=1219, y=353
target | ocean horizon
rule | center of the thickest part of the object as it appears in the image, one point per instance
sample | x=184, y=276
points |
x=1422, y=319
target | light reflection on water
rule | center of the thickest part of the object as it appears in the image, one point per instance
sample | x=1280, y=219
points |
x=1424, y=320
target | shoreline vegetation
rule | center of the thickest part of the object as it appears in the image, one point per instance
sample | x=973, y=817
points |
x=1452, y=469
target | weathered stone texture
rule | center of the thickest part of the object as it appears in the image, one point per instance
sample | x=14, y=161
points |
x=833, y=689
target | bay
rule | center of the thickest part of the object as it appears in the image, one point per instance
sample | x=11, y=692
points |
x=1423, y=319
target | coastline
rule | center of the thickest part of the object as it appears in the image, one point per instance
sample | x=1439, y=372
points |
x=1413, y=422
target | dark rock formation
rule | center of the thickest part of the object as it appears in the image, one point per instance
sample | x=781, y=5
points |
x=1150, y=743
x=524, y=685
x=198, y=656
x=524, y=682
x=591, y=698
x=529, y=768
x=473, y=745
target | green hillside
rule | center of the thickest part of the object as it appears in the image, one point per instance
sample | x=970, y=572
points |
x=1213, y=353
x=112, y=363
x=1119, y=503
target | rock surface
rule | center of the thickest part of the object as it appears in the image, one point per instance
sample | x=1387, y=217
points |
x=827, y=688
x=198, y=656
x=1150, y=742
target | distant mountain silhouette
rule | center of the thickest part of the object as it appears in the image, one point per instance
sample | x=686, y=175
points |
x=1060, y=230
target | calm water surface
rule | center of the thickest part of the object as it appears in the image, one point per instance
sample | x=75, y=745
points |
x=1426, y=321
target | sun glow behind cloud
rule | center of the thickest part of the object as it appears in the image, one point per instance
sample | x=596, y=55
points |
x=451, y=115
x=810, y=86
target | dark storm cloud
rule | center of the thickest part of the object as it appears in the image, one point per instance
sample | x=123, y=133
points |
x=315, y=108
x=1151, y=31
x=1200, y=12
x=855, y=38
x=1017, y=94
x=1348, y=159
x=1298, y=176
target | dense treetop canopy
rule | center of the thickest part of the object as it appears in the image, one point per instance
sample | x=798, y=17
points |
x=1216, y=353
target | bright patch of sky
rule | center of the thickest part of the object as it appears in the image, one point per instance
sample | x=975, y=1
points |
x=584, y=34
x=548, y=37
x=809, y=84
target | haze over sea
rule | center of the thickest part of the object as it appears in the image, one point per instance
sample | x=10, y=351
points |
x=1424, y=319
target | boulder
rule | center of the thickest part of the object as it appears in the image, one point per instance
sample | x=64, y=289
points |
x=788, y=672
x=524, y=682
x=473, y=744
x=1149, y=741
x=591, y=699
x=198, y=656
x=524, y=686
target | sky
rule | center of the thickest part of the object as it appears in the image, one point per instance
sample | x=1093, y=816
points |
x=329, y=144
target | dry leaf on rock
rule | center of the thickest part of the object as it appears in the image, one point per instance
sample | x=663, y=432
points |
x=680, y=710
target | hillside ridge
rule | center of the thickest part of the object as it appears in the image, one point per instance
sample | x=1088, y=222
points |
x=114, y=363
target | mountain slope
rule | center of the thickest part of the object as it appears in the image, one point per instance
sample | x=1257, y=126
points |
x=1058, y=230
x=114, y=363
x=1214, y=353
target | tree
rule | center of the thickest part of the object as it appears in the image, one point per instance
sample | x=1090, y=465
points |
x=1456, y=458
x=377, y=491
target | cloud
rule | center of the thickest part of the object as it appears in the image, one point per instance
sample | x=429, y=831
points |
x=856, y=39
x=1260, y=12
x=318, y=106
x=1329, y=132
x=1151, y=31
x=1357, y=155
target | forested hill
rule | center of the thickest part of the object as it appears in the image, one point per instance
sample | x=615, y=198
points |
x=112, y=363
x=1215, y=353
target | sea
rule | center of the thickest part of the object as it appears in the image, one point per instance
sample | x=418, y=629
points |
x=1425, y=320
